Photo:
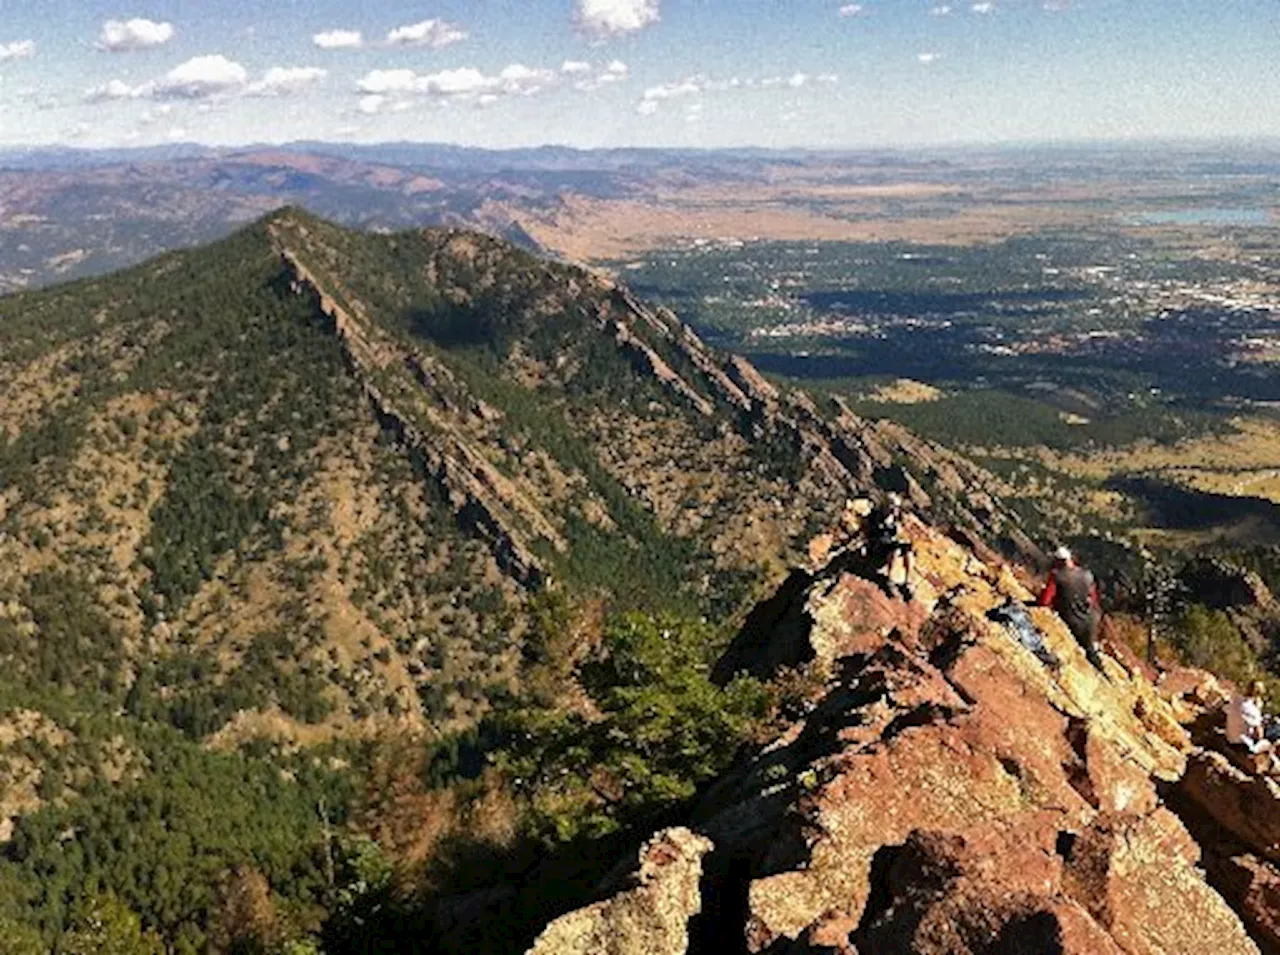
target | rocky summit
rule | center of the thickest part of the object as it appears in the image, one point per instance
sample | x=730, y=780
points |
x=945, y=790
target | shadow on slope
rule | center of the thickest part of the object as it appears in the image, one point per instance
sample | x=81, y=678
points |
x=1170, y=507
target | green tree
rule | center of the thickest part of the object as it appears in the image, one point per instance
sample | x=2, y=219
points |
x=664, y=729
x=19, y=939
x=1208, y=639
x=103, y=925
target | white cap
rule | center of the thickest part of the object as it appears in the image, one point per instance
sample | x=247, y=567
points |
x=1062, y=553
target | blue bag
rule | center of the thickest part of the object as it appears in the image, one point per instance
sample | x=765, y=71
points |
x=1015, y=619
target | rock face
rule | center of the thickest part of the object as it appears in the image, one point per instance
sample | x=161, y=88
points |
x=486, y=501
x=650, y=918
x=1235, y=814
x=946, y=792
x=1246, y=805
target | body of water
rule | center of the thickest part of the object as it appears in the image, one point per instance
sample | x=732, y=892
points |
x=1213, y=215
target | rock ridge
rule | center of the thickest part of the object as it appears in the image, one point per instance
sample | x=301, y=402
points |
x=481, y=497
x=944, y=791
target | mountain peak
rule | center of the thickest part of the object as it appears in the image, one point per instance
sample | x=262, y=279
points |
x=269, y=427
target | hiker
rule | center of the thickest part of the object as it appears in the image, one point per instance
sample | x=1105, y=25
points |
x=886, y=543
x=1245, y=724
x=1073, y=592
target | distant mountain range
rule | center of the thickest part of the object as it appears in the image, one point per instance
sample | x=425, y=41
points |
x=69, y=213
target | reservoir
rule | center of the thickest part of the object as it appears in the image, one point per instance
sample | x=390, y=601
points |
x=1212, y=216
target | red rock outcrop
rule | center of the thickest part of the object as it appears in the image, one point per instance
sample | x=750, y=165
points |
x=1252, y=886
x=1234, y=813
x=649, y=918
x=1245, y=804
x=947, y=792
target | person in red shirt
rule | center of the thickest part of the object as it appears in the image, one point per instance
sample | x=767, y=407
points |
x=1072, y=591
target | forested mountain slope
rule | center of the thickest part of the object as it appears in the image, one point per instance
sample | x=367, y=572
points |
x=314, y=472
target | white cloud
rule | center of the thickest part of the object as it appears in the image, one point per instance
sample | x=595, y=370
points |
x=927, y=58
x=652, y=98
x=463, y=83
x=851, y=9
x=942, y=10
x=608, y=18
x=338, y=39
x=691, y=86
x=376, y=104
x=983, y=8
x=114, y=89
x=155, y=113
x=281, y=80
x=518, y=79
x=614, y=72
x=17, y=50
x=123, y=36
x=201, y=77
x=588, y=77
x=388, y=81
x=433, y=33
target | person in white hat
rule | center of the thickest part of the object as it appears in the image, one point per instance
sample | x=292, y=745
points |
x=1072, y=591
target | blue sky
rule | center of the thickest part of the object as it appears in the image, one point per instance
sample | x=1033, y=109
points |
x=505, y=73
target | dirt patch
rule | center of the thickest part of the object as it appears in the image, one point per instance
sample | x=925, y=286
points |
x=904, y=391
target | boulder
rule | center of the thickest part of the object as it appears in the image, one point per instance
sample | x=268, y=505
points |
x=649, y=918
x=1252, y=886
x=948, y=895
x=1244, y=804
x=1136, y=875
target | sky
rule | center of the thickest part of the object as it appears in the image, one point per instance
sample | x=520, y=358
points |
x=602, y=73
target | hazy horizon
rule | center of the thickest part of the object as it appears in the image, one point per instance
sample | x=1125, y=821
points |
x=1210, y=143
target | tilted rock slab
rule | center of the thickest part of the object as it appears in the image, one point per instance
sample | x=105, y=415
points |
x=650, y=919
x=1244, y=804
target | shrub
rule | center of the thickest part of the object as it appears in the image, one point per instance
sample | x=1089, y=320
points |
x=1208, y=639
